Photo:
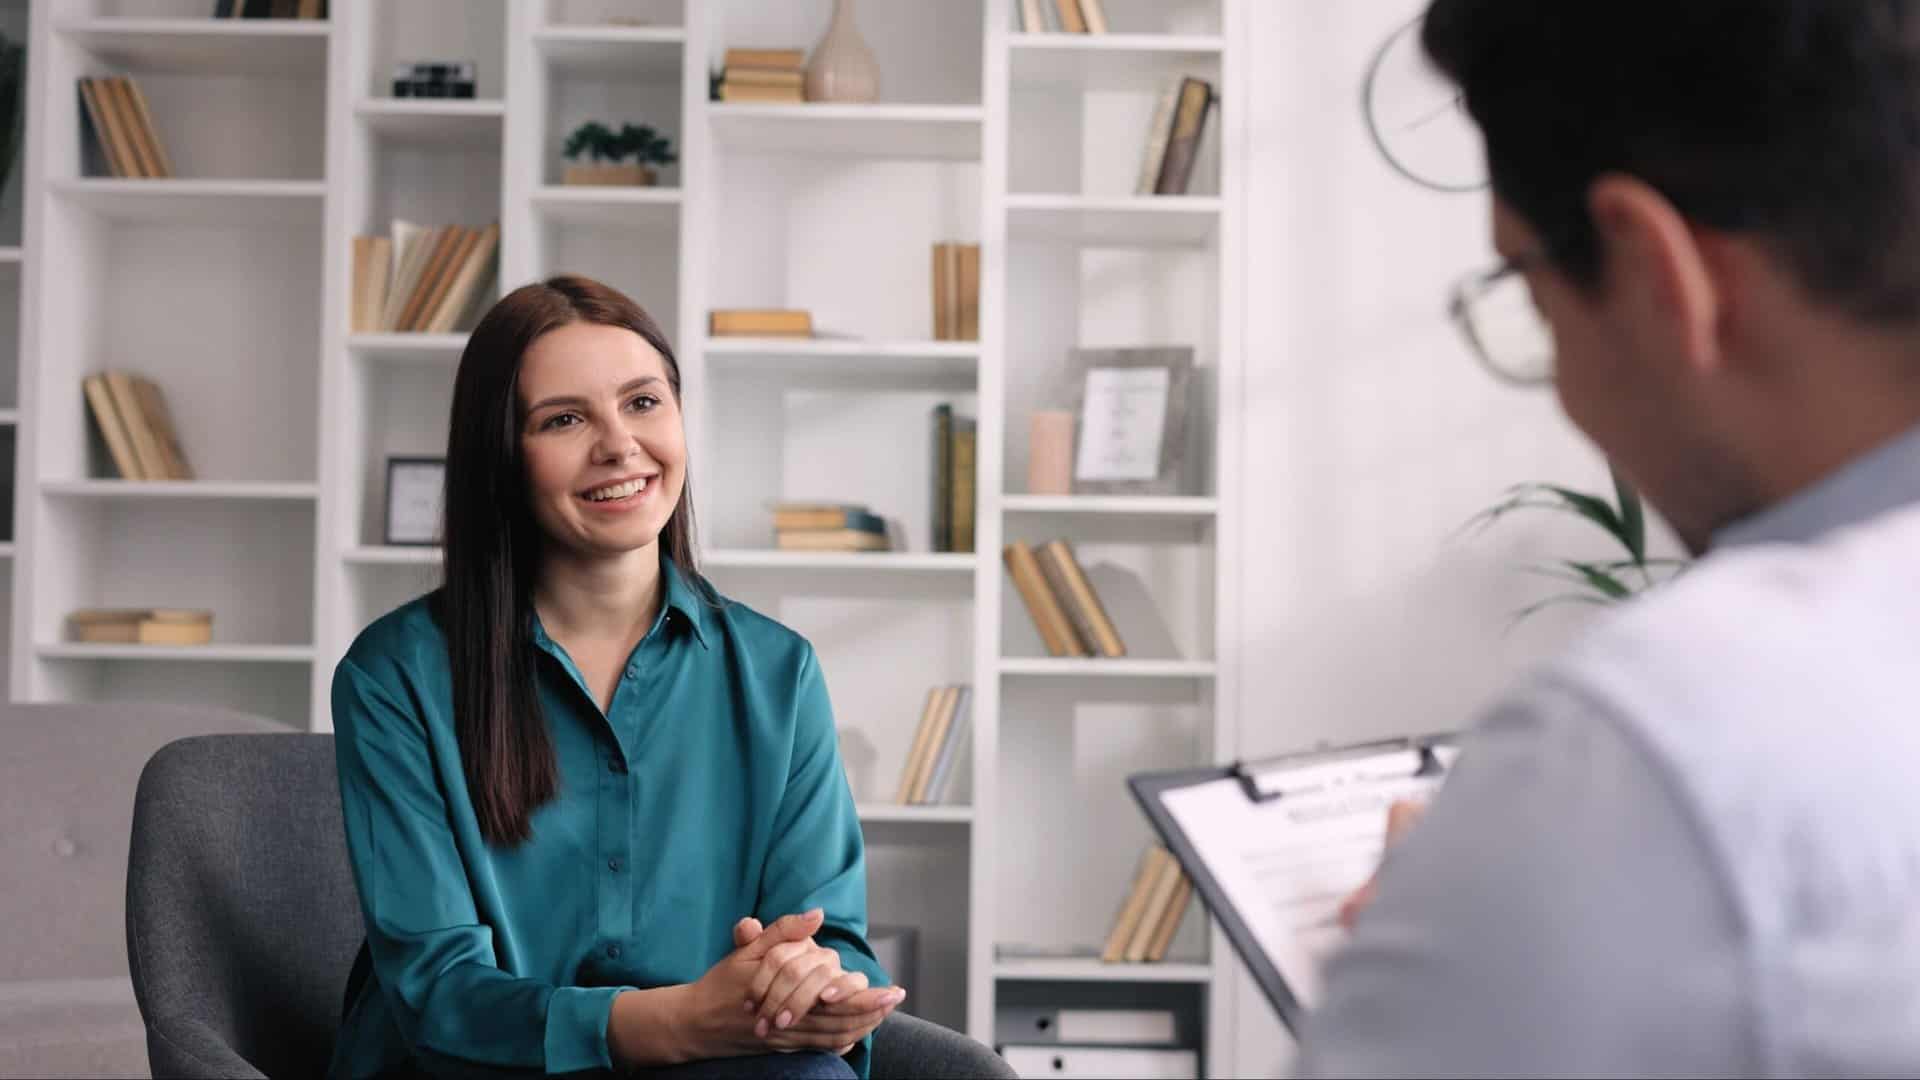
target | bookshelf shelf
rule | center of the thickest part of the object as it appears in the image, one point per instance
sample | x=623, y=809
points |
x=1075, y=969
x=415, y=348
x=586, y=204
x=889, y=813
x=1172, y=506
x=177, y=489
x=9, y=417
x=387, y=555
x=1117, y=221
x=1052, y=667
x=198, y=202
x=434, y=122
x=1112, y=61
x=277, y=47
x=629, y=53
x=940, y=132
x=245, y=654
x=899, y=562
x=808, y=358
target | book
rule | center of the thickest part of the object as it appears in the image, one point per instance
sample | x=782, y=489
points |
x=114, y=152
x=1070, y=18
x=1170, y=921
x=477, y=269
x=940, y=527
x=967, y=294
x=936, y=738
x=832, y=540
x=1068, y=580
x=801, y=516
x=412, y=246
x=140, y=432
x=759, y=322
x=156, y=150
x=1127, y=919
x=944, y=299
x=1158, y=132
x=952, y=749
x=732, y=90
x=794, y=59
x=153, y=405
x=1094, y=15
x=1031, y=21
x=1155, y=909
x=961, y=464
x=910, y=771
x=1042, y=606
x=106, y=417
x=789, y=78
x=141, y=626
x=1189, y=122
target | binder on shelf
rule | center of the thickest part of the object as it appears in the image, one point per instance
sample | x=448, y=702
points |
x=1051, y=1025
x=1102, y=1061
x=1316, y=821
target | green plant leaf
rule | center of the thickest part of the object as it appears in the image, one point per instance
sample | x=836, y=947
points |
x=1554, y=601
x=1599, y=579
x=1633, y=518
x=1594, y=509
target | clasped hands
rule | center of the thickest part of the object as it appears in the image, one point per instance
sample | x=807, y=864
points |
x=778, y=990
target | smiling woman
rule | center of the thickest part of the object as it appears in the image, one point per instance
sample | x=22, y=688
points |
x=541, y=761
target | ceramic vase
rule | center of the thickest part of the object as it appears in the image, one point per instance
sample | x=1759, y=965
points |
x=842, y=68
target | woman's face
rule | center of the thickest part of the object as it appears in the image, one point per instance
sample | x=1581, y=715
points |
x=605, y=451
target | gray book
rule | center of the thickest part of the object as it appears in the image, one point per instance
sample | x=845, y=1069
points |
x=943, y=765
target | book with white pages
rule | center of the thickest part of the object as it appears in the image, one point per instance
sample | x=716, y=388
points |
x=1273, y=847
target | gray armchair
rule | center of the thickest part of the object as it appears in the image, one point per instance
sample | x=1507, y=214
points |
x=242, y=921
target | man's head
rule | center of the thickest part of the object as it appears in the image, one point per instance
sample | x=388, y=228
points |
x=1717, y=205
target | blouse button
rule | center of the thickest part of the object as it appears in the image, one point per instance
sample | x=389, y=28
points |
x=616, y=766
x=613, y=865
x=613, y=952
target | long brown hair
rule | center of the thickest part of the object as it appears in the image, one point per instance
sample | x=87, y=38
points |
x=493, y=547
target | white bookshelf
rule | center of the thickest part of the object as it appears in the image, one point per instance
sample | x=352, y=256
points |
x=230, y=286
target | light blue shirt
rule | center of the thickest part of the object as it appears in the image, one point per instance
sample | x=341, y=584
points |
x=1690, y=844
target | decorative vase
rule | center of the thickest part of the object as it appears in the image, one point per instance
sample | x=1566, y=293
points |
x=610, y=175
x=842, y=68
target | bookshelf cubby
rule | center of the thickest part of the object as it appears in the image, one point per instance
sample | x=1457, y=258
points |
x=231, y=287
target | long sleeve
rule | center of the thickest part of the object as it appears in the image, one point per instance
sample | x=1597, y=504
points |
x=817, y=857
x=431, y=952
x=1557, y=912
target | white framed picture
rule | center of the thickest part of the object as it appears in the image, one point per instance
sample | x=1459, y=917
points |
x=416, y=492
x=1131, y=419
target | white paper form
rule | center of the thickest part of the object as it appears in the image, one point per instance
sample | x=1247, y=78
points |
x=1285, y=865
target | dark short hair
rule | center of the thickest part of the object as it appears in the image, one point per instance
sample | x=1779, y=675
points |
x=1795, y=121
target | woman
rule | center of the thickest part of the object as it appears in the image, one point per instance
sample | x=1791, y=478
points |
x=575, y=779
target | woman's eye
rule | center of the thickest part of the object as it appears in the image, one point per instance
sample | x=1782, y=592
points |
x=559, y=420
x=643, y=403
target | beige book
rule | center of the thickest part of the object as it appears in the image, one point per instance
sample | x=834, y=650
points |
x=953, y=293
x=911, y=769
x=157, y=150
x=942, y=728
x=754, y=92
x=1170, y=921
x=1128, y=918
x=446, y=241
x=146, y=445
x=120, y=100
x=760, y=322
x=1095, y=16
x=1070, y=19
x=757, y=76
x=832, y=540
x=106, y=124
x=471, y=276
x=1055, y=631
x=967, y=321
x=1106, y=637
x=156, y=632
x=942, y=315
x=464, y=242
x=1157, y=135
x=153, y=405
x=1163, y=887
x=793, y=59
x=412, y=246
x=106, y=416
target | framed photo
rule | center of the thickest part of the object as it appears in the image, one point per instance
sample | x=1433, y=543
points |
x=416, y=490
x=1131, y=413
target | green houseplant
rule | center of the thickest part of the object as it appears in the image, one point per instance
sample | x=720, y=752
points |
x=608, y=151
x=1595, y=581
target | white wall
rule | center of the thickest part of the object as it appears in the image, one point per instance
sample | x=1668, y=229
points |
x=1371, y=436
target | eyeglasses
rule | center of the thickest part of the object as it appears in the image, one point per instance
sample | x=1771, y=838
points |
x=1504, y=330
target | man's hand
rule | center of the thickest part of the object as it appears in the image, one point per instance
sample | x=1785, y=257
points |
x=823, y=1002
x=1401, y=817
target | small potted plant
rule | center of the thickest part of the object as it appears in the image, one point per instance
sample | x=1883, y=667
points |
x=609, y=150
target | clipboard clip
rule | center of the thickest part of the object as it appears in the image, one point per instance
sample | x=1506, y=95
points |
x=1259, y=780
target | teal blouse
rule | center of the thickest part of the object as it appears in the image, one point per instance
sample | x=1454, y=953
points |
x=711, y=790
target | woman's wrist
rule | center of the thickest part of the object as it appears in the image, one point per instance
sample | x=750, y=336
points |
x=647, y=1028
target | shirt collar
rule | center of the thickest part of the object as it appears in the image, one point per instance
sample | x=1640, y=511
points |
x=1884, y=478
x=682, y=599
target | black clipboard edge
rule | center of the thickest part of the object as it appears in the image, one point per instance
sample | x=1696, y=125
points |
x=1147, y=787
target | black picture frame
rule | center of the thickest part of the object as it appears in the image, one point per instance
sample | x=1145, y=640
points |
x=413, y=518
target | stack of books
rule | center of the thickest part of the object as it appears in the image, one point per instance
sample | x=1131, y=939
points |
x=767, y=75
x=956, y=292
x=759, y=322
x=955, y=446
x=121, y=130
x=1179, y=120
x=938, y=747
x=1068, y=613
x=1152, y=911
x=270, y=9
x=828, y=527
x=422, y=279
x=141, y=626
x=132, y=417
x=1063, y=16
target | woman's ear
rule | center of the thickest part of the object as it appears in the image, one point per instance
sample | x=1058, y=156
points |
x=1657, y=270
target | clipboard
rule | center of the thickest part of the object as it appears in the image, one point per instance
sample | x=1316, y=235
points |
x=1263, y=783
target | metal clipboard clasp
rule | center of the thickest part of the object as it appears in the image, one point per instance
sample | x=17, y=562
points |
x=1311, y=772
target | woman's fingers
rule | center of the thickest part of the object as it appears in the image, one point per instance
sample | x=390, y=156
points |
x=849, y=982
x=806, y=993
x=773, y=1004
x=772, y=965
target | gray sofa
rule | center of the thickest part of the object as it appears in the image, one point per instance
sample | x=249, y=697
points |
x=67, y=776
